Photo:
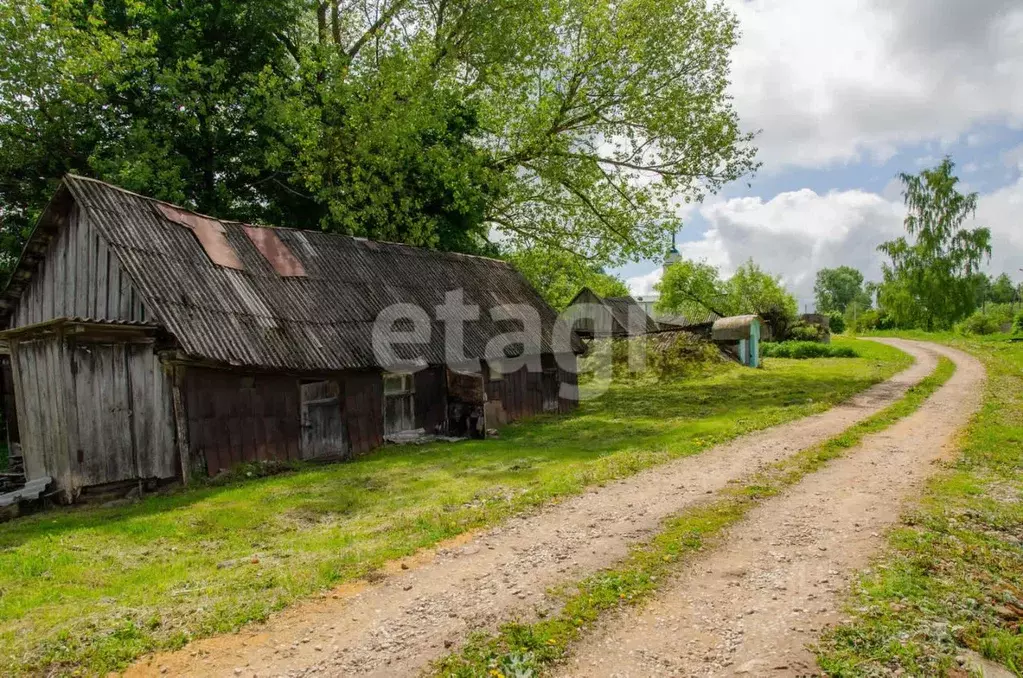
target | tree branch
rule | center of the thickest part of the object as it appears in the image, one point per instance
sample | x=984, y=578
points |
x=384, y=19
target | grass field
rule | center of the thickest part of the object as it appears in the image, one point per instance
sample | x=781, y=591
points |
x=87, y=590
x=952, y=577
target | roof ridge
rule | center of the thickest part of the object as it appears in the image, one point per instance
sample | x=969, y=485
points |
x=284, y=228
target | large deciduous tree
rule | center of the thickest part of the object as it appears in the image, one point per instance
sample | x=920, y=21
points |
x=836, y=288
x=568, y=124
x=930, y=280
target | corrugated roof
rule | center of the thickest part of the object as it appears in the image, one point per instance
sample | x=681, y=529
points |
x=733, y=328
x=322, y=321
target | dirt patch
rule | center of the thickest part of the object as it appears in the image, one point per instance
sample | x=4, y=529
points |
x=398, y=625
x=752, y=606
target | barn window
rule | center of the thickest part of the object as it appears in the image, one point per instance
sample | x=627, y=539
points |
x=495, y=371
x=399, y=402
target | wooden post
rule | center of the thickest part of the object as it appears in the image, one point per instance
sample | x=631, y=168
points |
x=181, y=421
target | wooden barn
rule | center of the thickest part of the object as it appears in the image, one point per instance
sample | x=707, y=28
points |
x=616, y=317
x=147, y=343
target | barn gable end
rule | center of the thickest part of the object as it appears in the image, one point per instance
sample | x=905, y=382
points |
x=68, y=270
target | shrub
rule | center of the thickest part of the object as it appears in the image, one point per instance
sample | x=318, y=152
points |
x=1017, y=325
x=987, y=321
x=868, y=320
x=837, y=322
x=805, y=332
x=978, y=323
x=800, y=350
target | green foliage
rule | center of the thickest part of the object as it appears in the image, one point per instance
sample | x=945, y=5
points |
x=1017, y=324
x=559, y=275
x=410, y=120
x=836, y=321
x=952, y=576
x=801, y=350
x=692, y=289
x=805, y=332
x=929, y=282
x=190, y=552
x=978, y=323
x=836, y=288
x=868, y=321
x=695, y=289
x=1000, y=290
x=988, y=320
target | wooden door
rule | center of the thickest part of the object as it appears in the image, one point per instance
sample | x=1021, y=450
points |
x=323, y=431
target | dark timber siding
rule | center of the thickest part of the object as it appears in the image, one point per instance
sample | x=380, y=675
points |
x=523, y=393
x=235, y=417
x=364, y=410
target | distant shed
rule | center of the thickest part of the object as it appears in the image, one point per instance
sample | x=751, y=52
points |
x=149, y=343
x=616, y=317
x=741, y=332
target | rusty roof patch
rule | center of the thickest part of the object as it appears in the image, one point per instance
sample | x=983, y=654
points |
x=210, y=233
x=276, y=252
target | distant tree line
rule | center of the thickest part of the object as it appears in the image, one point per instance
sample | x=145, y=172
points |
x=931, y=280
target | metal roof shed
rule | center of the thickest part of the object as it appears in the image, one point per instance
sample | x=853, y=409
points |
x=743, y=332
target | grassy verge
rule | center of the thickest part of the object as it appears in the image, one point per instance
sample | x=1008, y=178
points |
x=527, y=649
x=88, y=590
x=952, y=576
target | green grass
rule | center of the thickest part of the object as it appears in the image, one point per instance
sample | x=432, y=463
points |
x=528, y=649
x=88, y=590
x=952, y=575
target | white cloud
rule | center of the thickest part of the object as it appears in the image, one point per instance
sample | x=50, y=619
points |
x=797, y=233
x=850, y=80
x=644, y=284
x=1002, y=212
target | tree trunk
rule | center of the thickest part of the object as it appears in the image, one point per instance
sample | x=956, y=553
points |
x=321, y=22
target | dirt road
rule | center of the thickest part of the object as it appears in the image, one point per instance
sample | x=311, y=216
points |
x=397, y=626
x=751, y=607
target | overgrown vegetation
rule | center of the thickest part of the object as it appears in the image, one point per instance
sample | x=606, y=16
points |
x=801, y=350
x=90, y=589
x=990, y=319
x=529, y=648
x=668, y=355
x=953, y=574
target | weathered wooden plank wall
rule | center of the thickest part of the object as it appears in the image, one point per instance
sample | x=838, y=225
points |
x=38, y=381
x=79, y=277
x=93, y=413
x=235, y=417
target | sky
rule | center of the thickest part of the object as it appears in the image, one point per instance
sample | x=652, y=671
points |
x=845, y=95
